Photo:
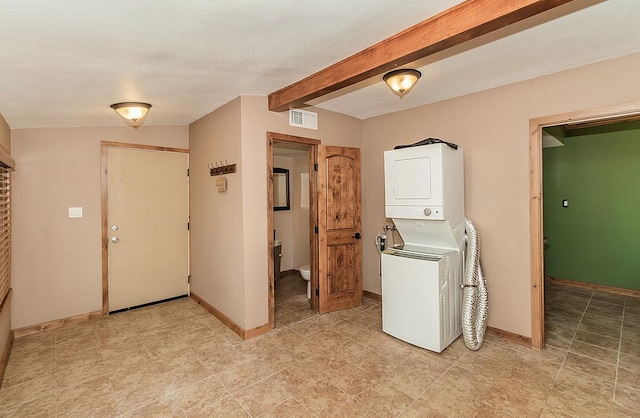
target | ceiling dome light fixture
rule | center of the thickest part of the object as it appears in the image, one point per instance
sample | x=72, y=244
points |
x=132, y=113
x=401, y=81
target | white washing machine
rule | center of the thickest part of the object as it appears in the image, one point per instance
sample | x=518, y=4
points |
x=421, y=296
x=421, y=280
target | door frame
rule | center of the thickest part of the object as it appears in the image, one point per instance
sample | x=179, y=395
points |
x=603, y=115
x=104, y=148
x=274, y=138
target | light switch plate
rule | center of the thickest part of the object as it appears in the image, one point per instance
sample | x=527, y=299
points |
x=75, y=212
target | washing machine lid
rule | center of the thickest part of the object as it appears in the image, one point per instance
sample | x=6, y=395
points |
x=419, y=251
x=431, y=234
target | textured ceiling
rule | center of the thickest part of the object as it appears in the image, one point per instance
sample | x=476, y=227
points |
x=64, y=62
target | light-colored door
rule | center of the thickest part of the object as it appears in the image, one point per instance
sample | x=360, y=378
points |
x=147, y=223
x=339, y=233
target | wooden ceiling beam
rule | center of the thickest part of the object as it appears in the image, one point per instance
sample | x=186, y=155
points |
x=461, y=23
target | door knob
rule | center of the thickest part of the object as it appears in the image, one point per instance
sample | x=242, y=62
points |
x=357, y=235
x=115, y=240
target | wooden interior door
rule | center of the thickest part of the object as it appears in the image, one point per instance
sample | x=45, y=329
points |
x=147, y=220
x=339, y=233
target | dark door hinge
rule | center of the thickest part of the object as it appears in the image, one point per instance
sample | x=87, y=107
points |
x=188, y=226
x=187, y=172
x=317, y=293
x=315, y=166
x=315, y=229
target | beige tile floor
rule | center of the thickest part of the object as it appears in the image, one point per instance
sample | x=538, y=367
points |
x=175, y=359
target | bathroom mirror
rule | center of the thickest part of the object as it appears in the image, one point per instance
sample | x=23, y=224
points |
x=281, y=189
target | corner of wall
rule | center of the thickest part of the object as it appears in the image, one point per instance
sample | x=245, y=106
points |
x=217, y=256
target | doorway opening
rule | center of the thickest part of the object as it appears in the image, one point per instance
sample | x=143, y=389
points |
x=292, y=215
x=584, y=118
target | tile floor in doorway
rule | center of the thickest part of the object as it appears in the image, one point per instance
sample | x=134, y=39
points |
x=291, y=303
x=175, y=359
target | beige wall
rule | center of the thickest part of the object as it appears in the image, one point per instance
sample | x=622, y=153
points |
x=493, y=129
x=217, y=259
x=283, y=219
x=292, y=225
x=230, y=249
x=301, y=246
x=57, y=266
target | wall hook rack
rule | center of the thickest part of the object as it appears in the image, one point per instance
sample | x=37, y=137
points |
x=219, y=168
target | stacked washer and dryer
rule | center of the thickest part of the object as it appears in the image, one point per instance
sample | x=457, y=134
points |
x=422, y=279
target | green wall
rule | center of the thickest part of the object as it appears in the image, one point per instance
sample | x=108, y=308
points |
x=596, y=239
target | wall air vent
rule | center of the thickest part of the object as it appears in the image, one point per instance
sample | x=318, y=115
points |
x=303, y=119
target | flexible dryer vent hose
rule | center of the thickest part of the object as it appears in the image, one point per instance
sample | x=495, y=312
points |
x=475, y=299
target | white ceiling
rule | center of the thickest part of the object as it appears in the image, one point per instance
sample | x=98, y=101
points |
x=63, y=62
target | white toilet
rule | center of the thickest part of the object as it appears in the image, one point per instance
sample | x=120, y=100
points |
x=305, y=272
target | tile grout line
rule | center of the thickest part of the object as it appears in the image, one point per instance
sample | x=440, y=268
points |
x=161, y=373
x=113, y=391
x=436, y=380
x=232, y=394
x=154, y=364
x=574, y=336
x=615, y=382
x=150, y=359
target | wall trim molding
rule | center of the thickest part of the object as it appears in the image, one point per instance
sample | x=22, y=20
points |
x=45, y=326
x=510, y=336
x=256, y=332
x=593, y=286
x=228, y=322
x=4, y=361
x=372, y=295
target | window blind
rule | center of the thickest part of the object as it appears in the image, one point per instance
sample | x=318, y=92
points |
x=5, y=230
